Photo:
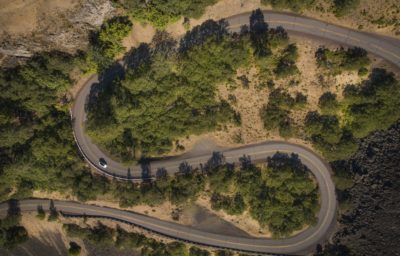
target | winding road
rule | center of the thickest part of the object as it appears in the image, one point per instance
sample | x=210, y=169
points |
x=378, y=45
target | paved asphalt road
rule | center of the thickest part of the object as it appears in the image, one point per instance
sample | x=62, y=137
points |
x=386, y=48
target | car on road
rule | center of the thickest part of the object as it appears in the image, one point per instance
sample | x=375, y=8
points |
x=103, y=163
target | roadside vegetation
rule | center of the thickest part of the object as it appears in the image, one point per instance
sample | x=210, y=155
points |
x=366, y=107
x=105, y=237
x=282, y=197
x=106, y=45
x=11, y=232
x=169, y=94
x=170, y=90
x=161, y=13
x=37, y=148
x=339, y=60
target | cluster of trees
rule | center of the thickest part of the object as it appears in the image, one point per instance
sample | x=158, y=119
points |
x=106, y=44
x=271, y=52
x=170, y=91
x=11, y=233
x=37, y=148
x=282, y=196
x=292, y=196
x=373, y=104
x=336, y=61
x=161, y=13
x=178, y=189
x=169, y=94
x=334, y=142
x=104, y=236
x=235, y=190
x=276, y=113
x=366, y=107
x=328, y=103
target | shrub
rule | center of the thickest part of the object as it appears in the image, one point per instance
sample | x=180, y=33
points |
x=373, y=104
x=287, y=63
x=74, y=249
x=275, y=114
x=328, y=102
x=363, y=71
x=342, y=60
x=195, y=251
x=344, y=7
x=161, y=13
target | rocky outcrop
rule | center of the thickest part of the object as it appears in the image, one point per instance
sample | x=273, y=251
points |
x=372, y=226
x=63, y=30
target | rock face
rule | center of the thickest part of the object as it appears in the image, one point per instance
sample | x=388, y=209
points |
x=62, y=26
x=372, y=227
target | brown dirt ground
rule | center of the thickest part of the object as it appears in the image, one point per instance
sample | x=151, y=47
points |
x=140, y=33
x=49, y=235
x=27, y=14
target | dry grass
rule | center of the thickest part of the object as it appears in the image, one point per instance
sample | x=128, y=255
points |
x=365, y=17
x=140, y=33
x=22, y=17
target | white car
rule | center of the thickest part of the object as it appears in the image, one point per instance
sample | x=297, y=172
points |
x=103, y=163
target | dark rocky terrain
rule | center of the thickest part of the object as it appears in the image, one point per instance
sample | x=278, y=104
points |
x=372, y=225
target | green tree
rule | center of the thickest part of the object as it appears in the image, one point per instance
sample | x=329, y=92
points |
x=373, y=104
x=288, y=199
x=287, y=63
x=328, y=103
x=11, y=233
x=259, y=34
x=276, y=113
x=107, y=44
x=169, y=97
